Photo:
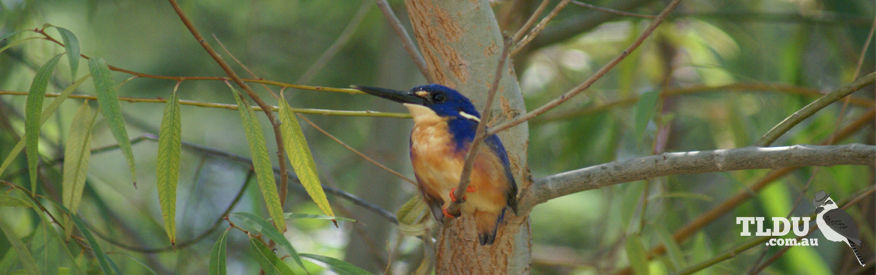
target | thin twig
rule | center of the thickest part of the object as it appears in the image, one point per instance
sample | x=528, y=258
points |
x=612, y=11
x=245, y=68
x=532, y=18
x=519, y=45
x=325, y=112
x=465, y=177
x=49, y=38
x=812, y=108
x=407, y=43
x=863, y=53
x=336, y=46
x=587, y=83
x=734, y=87
x=183, y=244
x=369, y=159
x=281, y=152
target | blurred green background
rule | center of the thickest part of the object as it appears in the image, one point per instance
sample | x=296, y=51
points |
x=806, y=44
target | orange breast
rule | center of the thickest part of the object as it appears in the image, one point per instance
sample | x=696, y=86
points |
x=438, y=166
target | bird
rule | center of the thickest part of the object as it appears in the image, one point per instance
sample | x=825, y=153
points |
x=445, y=123
x=836, y=225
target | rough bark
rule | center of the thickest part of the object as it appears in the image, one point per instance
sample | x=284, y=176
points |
x=461, y=43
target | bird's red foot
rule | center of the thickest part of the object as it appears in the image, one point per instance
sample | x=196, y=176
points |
x=447, y=214
x=453, y=194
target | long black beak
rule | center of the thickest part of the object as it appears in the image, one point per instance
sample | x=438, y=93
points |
x=397, y=96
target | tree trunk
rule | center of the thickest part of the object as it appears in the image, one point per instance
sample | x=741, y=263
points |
x=461, y=43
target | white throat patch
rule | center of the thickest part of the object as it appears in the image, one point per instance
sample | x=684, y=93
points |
x=469, y=116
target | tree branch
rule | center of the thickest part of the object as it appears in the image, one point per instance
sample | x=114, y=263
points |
x=812, y=108
x=693, y=162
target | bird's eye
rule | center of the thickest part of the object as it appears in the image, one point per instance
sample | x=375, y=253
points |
x=438, y=97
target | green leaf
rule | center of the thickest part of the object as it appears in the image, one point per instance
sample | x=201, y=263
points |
x=631, y=197
x=261, y=162
x=217, y=255
x=8, y=35
x=645, y=108
x=77, y=152
x=33, y=108
x=338, y=266
x=60, y=244
x=47, y=113
x=636, y=254
x=44, y=249
x=676, y=257
x=23, y=253
x=315, y=216
x=11, y=201
x=71, y=44
x=301, y=158
x=111, y=110
x=270, y=263
x=135, y=261
x=167, y=167
x=106, y=264
x=412, y=217
x=251, y=222
x=17, y=42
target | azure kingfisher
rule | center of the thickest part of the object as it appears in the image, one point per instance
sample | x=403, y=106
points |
x=445, y=123
x=836, y=225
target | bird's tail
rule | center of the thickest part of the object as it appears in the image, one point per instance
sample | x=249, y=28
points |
x=856, y=250
x=487, y=225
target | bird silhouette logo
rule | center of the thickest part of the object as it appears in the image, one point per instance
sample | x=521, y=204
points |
x=836, y=225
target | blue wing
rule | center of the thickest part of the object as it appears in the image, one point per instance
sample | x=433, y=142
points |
x=496, y=146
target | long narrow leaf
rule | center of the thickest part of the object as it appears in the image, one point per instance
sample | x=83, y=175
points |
x=254, y=223
x=71, y=44
x=10, y=201
x=217, y=255
x=270, y=263
x=261, y=162
x=645, y=110
x=8, y=35
x=33, y=108
x=636, y=254
x=47, y=113
x=111, y=110
x=301, y=158
x=338, y=266
x=167, y=167
x=106, y=264
x=61, y=244
x=676, y=257
x=23, y=253
x=316, y=217
x=77, y=153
